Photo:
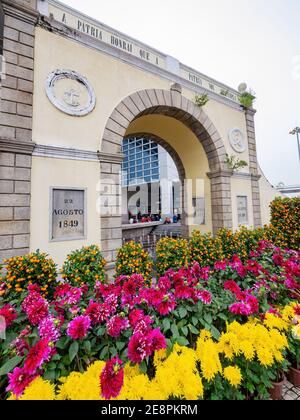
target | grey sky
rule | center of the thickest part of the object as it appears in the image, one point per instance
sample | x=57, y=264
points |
x=256, y=41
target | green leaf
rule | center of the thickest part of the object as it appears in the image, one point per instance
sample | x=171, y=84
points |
x=185, y=331
x=193, y=330
x=208, y=318
x=104, y=353
x=182, y=312
x=222, y=316
x=120, y=345
x=215, y=332
x=73, y=350
x=195, y=320
x=174, y=330
x=143, y=367
x=10, y=365
x=50, y=375
x=182, y=341
x=87, y=346
x=166, y=324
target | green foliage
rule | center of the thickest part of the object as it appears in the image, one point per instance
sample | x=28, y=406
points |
x=285, y=222
x=21, y=271
x=84, y=266
x=133, y=259
x=171, y=253
x=247, y=99
x=204, y=249
x=234, y=163
x=224, y=92
x=201, y=100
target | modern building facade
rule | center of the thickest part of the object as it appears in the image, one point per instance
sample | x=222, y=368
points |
x=72, y=90
x=148, y=167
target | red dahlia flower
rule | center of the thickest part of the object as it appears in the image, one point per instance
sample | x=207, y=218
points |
x=38, y=354
x=112, y=378
x=9, y=313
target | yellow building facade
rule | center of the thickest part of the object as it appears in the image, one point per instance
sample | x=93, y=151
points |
x=72, y=89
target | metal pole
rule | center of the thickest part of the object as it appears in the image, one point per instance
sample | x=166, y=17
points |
x=298, y=140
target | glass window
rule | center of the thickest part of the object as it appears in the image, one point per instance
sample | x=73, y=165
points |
x=155, y=171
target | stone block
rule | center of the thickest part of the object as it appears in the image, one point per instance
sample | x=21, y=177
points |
x=22, y=187
x=22, y=213
x=23, y=135
x=6, y=187
x=21, y=241
x=23, y=161
x=4, y=255
x=15, y=120
x=25, y=62
x=115, y=127
x=18, y=48
x=105, y=167
x=7, y=132
x=116, y=233
x=11, y=33
x=21, y=72
x=15, y=200
x=111, y=245
x=25, y=110
x=14, y=228
x=10, y=57
x=19, y=25
x=6, y=213
x=7, y=159
x=5, y=242
x=25, y=85
x=26, y=39
x=16, y=96
x=8, y=107
x=111, y=222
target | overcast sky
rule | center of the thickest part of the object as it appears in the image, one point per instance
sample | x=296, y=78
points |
x=256, y=41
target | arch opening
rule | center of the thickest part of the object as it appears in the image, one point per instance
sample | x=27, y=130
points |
x=128, y=120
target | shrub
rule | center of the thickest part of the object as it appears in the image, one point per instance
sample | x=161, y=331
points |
x=205, y=249
x=34, y=268
x=84, y=266
x=171, y=253
x=133, y=259
x=285, y=221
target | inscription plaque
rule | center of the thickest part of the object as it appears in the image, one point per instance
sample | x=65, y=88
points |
x=242, y=209
x=67, y=214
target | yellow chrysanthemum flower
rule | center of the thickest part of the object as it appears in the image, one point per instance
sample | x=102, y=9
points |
x=233, y=375
x=39, y=390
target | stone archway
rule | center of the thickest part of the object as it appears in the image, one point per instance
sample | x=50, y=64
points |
x=172, y=104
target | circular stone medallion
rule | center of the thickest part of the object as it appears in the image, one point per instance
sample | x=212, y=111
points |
x=237, y=140
x=70, y=92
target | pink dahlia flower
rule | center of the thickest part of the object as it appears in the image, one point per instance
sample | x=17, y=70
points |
x=19, y=379
x=78, y=327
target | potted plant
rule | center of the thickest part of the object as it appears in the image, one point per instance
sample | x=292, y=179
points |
x=276, y=391
x=293, y=374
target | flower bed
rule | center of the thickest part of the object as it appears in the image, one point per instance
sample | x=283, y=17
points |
x=139, y=328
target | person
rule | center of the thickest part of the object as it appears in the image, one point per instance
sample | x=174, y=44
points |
x=175, y=218
x=139, y=215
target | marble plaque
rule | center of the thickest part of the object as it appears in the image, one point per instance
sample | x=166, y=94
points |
x=68, y=214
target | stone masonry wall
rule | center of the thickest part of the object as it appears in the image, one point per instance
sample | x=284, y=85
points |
x=16, y=144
